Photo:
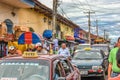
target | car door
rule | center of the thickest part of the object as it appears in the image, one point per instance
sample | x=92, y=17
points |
x=58, y=70
x=75, y=71
x=71, y=73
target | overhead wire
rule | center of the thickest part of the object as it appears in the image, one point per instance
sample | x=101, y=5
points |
x=64, y=13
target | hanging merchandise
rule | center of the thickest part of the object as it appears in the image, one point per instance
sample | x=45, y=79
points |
x=76, y=32
x=47, y=34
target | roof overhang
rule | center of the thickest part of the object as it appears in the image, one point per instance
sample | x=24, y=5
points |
x=19, y=3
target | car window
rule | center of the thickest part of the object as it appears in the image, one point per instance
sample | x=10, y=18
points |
x=57, y=70
x=70, y=65
x=88, y=55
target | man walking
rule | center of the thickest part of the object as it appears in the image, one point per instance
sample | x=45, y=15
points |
x=113, y=69
x=118, y=64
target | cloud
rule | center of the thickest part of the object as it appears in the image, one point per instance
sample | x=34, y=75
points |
x=106, y=11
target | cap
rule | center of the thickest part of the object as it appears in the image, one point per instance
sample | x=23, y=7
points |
x=38, y=44
x=11, y=47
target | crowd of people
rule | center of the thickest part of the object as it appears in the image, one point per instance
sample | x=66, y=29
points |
x=40, y=48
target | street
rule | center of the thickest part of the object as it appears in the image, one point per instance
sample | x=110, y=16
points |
x=93, y=78
x=59, y=39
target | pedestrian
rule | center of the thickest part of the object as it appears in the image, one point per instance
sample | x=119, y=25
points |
x=113, y=69
x=56, y=46
x=13, y=51
x=118, y=64
x=118, y=42
x=64, y=51
x=40, y=49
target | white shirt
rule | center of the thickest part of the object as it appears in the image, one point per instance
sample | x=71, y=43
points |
x=64, y=52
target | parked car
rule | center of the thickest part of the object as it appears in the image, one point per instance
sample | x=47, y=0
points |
x=91, y=63
x=30, y=66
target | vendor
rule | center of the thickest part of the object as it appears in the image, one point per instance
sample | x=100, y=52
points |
x=14, y=51
x=40, y=49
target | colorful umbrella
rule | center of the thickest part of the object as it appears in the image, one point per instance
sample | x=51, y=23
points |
x=28, y=38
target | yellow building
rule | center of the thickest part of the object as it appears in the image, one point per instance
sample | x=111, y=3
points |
x=37, y=16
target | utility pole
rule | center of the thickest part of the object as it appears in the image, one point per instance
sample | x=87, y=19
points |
x=89, y=25
x=97, y=28
x=104, y=34
x=55, y=4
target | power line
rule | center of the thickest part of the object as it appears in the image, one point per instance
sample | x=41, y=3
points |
x=63, y=12
x=88, y=5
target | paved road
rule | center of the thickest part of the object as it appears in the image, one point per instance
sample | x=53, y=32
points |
x=92, y=78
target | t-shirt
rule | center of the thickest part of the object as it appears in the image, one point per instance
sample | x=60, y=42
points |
x=55, y=41
x=112, y=59
x=43, y=51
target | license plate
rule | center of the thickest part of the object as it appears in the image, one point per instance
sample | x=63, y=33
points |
x=84, y=72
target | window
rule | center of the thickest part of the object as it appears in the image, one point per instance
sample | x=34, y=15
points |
x=25, y=69
x=66, y=67
x=57, y=70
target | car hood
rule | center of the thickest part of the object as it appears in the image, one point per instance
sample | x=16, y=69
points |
x=87, y=62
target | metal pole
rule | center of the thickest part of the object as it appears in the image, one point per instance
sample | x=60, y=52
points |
x=104, y=34
x=89, y=26
x=97, y=28
x=55, y=3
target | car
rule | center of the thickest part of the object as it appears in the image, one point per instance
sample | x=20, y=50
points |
x=31, y=66
x=90, y=62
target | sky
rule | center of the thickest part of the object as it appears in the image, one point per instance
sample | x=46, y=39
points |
x=107, y=12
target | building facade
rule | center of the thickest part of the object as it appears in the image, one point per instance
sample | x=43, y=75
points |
x=38, y=17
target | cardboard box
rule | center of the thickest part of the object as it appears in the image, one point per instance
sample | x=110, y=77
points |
x=3, y=30
x=17, y=34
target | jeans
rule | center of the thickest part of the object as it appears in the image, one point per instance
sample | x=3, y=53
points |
x=114, y=74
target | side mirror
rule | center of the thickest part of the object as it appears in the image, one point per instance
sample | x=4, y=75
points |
x=105, y=58
x=61, y=78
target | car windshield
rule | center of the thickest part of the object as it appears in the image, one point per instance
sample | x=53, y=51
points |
x=104, y=48
x=24, y=70
x=82, y=46
x=88, y=55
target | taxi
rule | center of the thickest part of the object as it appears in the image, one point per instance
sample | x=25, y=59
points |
x=31, y=66
x=90, y=62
